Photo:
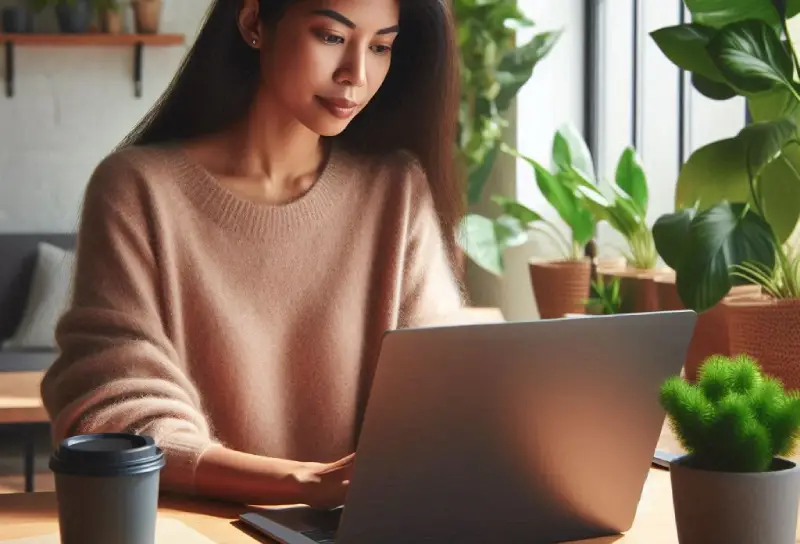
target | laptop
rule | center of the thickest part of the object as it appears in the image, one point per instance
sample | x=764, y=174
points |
x=536, y=432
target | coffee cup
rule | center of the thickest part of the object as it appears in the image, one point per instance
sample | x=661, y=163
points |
x=107, y=488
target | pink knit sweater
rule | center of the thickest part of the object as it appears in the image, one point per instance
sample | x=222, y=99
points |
x=200, y=317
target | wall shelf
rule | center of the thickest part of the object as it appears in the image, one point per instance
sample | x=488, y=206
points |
x=137, y=41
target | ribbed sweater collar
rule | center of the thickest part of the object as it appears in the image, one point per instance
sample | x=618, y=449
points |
x=251, y=219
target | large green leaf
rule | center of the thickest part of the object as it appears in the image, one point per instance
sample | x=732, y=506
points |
x=751, y=57
x=484, y=240
x=670, y=232
x=719, y=171
x=764, y=140
x=718, y=13
x=478, y=177
x=713, y=173
x=630, y=177
x=685, y=45
x=779, y=186
x=714, y=90
x=771, y=105
x=518, y=65
x=720, y=237
x=570, y=151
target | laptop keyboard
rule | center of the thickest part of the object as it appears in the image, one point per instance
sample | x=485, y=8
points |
x=322, y=536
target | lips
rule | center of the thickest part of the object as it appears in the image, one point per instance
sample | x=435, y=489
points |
x=339, y=107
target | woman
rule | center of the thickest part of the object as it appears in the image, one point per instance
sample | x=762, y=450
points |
x=288, y=200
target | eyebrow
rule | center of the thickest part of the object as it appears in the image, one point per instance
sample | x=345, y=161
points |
x=336, y=16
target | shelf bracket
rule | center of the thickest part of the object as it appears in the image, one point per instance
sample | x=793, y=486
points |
x=138, y=52
x=9, y=68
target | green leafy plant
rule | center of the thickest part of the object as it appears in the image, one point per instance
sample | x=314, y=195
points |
x=737, y=199
x=605, y=296
x=623, y=205
x=98, y=5
x=493, y=70
x=484, y=239
x=734, y=419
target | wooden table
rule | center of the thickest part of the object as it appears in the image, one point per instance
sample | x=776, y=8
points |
x=31, y=514
x=22, y=411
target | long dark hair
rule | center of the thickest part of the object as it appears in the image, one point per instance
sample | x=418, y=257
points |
x=415, y=109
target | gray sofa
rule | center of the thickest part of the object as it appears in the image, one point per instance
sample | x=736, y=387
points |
x=18, y=262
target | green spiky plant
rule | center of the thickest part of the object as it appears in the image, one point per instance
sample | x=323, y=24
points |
x=734, y=419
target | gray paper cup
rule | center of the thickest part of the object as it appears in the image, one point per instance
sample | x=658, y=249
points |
x=107, y=488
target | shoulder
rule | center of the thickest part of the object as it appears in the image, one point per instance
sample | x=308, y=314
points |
x=127, y=177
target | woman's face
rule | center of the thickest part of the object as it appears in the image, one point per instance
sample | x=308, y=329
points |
x=326, y=59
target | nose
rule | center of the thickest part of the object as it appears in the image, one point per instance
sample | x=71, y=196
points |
x=353, y=70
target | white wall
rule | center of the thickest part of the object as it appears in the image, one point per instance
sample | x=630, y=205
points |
x=71, y=107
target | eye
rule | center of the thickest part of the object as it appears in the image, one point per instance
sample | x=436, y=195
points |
x=329, y=38
x=381, y=49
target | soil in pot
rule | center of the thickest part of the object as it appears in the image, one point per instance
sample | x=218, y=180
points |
x=769, y=331
x=711, y=336
x=560, y=287
x=147, y=15
x=74, y=17
x=734, y=507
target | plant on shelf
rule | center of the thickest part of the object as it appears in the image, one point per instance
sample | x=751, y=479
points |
x=74, y=16
x=493, y=70
x=738, y=199
x=737, y=426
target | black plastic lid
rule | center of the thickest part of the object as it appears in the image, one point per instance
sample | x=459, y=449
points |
x=109, y=454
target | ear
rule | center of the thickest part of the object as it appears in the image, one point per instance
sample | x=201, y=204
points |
x=250, y=23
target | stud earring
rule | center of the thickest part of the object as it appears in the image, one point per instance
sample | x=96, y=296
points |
x=255, y=41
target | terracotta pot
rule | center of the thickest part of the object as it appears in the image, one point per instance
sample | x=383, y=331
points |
x=560, y=287
x=147, y=15
x=638, y=290
x=711, y=335
x=607, y=265
x=111, y=21
x=767, y=330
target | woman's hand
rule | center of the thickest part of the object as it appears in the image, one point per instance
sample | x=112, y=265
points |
x=324, y=485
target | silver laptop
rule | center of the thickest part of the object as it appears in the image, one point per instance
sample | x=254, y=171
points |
x=533, y=432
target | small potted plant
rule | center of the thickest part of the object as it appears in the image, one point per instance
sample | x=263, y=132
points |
x=147, y=15
x=74, y=16
x=737, y=426
x=109, y=15
x=561, y=285
x=623, y=205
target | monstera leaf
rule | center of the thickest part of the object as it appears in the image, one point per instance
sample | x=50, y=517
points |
x=703, y=249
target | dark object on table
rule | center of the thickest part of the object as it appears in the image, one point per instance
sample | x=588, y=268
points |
x=17, y=20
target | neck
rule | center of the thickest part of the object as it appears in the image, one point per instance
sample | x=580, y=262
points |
x=270, y=145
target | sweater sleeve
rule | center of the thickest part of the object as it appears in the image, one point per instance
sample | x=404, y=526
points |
x=117, y=370
x=431, y=292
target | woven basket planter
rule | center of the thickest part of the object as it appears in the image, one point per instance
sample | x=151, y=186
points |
x=769, y=331
x=711, y=332
x=560, y=287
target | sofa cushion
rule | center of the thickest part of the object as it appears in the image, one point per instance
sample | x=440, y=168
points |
x=48, y=298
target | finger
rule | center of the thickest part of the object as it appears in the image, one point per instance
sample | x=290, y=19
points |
x=340, y=464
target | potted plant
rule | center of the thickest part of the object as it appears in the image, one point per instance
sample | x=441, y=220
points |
x=74, y=16
x=17, y=18
x=623, y=205
x=110, y=16
x=147, y=15
x=605, y=297
x=560, y=286
x=737, y=426
x=738, y=199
